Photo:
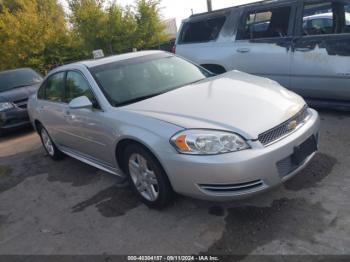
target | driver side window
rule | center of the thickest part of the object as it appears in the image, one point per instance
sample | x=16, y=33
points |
x=76, y=85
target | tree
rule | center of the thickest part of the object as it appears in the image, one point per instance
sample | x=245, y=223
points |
x=36, y=33
x=114, y=29
x=33, y=33
x=122, y=29
x=89, y=22
x=150, y=29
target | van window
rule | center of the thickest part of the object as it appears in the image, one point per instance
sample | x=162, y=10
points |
x=326, y=18
x=318, y=19
x=265, y=24
x=202, y=31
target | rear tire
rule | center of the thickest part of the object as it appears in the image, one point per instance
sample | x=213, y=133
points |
x=147, y=177
x=49, y=146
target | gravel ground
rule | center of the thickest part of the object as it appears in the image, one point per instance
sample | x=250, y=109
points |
x=68, y=207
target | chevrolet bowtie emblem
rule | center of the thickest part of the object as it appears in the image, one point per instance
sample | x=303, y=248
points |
x=292, y=125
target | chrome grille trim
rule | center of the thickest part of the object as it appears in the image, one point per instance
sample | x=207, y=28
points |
x=226, y=188
x=282, y=130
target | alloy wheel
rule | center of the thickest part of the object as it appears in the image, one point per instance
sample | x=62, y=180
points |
x=47, y=142
x=143, y=177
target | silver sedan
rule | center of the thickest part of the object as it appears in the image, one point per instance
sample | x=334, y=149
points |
x=168, y=125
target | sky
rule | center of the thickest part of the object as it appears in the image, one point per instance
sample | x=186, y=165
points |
x=181, y=9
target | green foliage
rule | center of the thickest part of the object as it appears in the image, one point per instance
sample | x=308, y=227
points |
x=88, y=20
x=122, y=28
x=31, y=33
x=37, y=33
x=115, y=29
x=150, y=29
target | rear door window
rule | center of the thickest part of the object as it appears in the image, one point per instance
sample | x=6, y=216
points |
x=201, y=31
x=54, y=87
x=318, y=19
x=325, y=18
x=272, y=23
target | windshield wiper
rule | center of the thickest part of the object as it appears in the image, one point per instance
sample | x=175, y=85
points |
x=137, y=99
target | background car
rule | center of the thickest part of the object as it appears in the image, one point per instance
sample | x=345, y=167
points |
x=322, y=23
x=303, y=45
x=16, y=86
x=169, y=126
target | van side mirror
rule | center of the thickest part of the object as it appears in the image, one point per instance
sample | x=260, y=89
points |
x=80, y=102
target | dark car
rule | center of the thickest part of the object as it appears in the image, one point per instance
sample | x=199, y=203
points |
x=16, y=86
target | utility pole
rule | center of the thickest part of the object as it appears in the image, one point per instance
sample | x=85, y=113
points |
x=210, y=7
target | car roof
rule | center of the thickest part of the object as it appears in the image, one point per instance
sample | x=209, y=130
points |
x=220, y=11
x=116, y=58
x=324, y=15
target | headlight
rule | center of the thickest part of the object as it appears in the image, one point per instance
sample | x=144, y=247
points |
x=208, y=142
x=5, y=105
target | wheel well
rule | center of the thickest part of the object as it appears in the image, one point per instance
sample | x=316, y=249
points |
x=121, y=146
x=216, y=69
x=37, y=124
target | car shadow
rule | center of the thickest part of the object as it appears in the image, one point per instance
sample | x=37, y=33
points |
x=12, y=135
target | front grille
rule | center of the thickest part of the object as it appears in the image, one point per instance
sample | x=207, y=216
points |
x=284, y=129
x=236, y=188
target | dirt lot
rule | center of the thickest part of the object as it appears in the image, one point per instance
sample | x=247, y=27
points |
x=68, y=207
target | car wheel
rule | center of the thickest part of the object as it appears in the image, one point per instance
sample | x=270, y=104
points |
x=147, y=177
x=49, y=145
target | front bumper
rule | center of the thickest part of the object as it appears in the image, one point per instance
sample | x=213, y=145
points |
x=13, y=119
x=240, y=174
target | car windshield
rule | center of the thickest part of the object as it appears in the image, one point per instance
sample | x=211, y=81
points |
x=133, y=80
x=18, y=78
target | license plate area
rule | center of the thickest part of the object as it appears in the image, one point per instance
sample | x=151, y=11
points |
x=304, y=150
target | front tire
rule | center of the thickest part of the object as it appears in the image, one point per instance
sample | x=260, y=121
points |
x=147, y=177
x=49, y=145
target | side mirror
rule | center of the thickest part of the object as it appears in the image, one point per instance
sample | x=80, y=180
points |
x=80, y=102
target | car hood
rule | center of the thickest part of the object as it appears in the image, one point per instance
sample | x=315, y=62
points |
x=234, y=101
x=18, y=94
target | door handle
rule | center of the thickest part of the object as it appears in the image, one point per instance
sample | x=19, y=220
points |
x=243, y=50
x=303, y=49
